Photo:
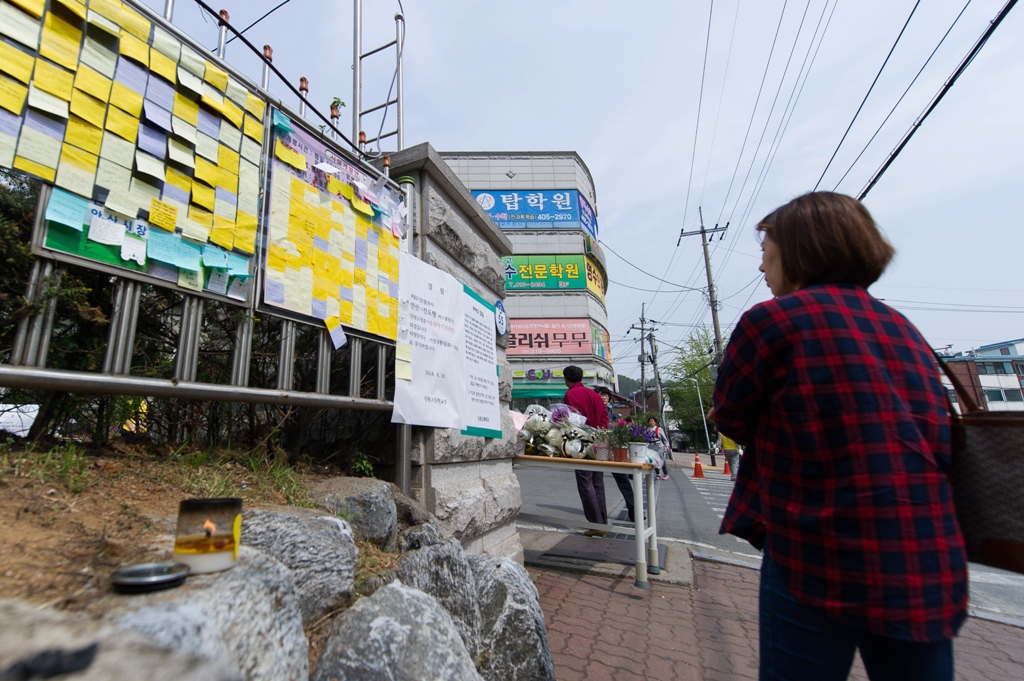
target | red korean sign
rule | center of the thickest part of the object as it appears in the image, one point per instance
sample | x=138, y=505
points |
x=549, y=337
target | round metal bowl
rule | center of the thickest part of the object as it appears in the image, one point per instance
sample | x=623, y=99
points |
x=136, y=579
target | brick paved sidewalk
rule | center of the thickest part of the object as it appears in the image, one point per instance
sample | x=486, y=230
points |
x=604, y=628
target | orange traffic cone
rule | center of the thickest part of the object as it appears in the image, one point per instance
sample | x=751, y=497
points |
x=727, y=470
x=698, y=472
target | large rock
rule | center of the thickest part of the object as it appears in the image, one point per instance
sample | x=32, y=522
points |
x=367, y=504
x=247, y=617
x=26, y=631
x=319, y=550
x=443, y=571
x=513, y=638
x=416, y=527
x=398, y=634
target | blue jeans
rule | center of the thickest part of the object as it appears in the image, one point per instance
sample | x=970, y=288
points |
x=800, y=642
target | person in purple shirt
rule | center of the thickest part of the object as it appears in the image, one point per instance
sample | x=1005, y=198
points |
x=589, y=483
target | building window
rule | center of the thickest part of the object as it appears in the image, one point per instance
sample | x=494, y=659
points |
x=1004, y=351
x=1014, y=396
x=994, y=395
x=995, y=368
x=952, y=395
x=1020, y=369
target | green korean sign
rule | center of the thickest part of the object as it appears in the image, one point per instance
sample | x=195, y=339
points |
x=545, y=272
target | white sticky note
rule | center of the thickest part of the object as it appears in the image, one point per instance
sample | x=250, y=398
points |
x=239, y=289
x=218, y=282
x=133, y=249
x=106, y=231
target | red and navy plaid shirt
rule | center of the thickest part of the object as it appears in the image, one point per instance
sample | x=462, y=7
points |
x=838, y=401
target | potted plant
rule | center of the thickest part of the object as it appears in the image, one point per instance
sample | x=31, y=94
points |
x=618, y=438
x=639, y=438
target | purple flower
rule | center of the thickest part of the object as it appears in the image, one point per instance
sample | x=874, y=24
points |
x=560, y=415
x=638, y=433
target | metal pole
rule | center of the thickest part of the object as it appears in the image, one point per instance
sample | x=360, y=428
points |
x=657, y=383
x=711, y=290
x=286, y=357
x=21, y=336
x=643, y=357
x=400, y=40
x=222, y=40
x=382, y=358
x=355, y=374
x=268, y=55
x=323, y=363
x=85, y=382
x=168, y=9
x=36, y=330
x=700, y=401
x=403, y=458
x=357, y=66
x=304, y=91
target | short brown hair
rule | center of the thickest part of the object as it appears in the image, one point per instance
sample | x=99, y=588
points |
x=827, y=238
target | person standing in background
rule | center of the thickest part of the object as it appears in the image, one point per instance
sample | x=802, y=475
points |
x=659, y=437
x=732, y=455
x=589, y=483
x=622, y=481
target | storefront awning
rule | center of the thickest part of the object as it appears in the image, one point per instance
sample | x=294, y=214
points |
x=534, y=391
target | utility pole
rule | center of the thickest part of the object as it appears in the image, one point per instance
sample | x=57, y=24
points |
x=711, y=283
x=657, y=379
x=643, y=355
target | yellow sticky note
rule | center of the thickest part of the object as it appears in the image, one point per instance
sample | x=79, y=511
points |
x=216, y=77
x=203, y=217
x=233, y=113
x=276, y=257
x=227, y=180
x=361, y=206
x=178, y=179
x=203, y=196
x=403, y=370
x=34, y=168
x=227, y=159
x=12, y=95
x=91, y=81
x=15, y=62
x=133, y=22
x=253, y=128
x=186, y=109
x=88, y=107
x=76, y=6
x=206, y=171
x=126, y=99
x=292, y=158
x=403, y=352
x=347, y=191
x=163, y=65
x=223, y=233
x=245, y=232
x=111, y=9
x=162, y=215
x=60, y=41
x=122, y=124
x=254, y=105
x=83, y=134
x=132, y=47
x=33, y=7
x=53, y=79
x=190, y=280
x=76, y=171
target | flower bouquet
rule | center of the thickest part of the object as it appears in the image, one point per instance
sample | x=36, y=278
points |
x=562, y=431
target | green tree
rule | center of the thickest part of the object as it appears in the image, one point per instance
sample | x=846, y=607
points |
x=692, y=360
x=627, y=385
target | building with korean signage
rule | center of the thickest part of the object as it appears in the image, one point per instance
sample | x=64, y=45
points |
x=556, y=279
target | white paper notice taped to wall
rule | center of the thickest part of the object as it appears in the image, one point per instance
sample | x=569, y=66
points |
x=431, y=319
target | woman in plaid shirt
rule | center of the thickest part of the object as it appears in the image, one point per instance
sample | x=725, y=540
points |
x=837, y=399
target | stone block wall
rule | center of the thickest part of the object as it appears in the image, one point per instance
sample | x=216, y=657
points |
x=467, y=482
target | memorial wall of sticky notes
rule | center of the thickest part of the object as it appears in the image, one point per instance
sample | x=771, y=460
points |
x=332, y=236
x=153, y=150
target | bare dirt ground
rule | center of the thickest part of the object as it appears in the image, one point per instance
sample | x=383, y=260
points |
x=70, y=516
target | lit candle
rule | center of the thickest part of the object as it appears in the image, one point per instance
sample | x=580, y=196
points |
x=209, y=533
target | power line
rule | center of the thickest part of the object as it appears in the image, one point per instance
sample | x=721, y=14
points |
x=867, y=94
x=696, y=128
x=946, y=87
x=898, y=101
x=718, y=113
x=651, y=290
x=258, y=20
x=752, y=113
x=641, y=270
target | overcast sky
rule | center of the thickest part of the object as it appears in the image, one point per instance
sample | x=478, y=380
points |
x=621, y=88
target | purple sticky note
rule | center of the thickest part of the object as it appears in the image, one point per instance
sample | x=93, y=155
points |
x=157, y=115
x=160, y=91
x=227, y=196
x=320, y=243
x=393, y=286
x=153, y=141
x=372, y=237
x=275, y=291
x=319, y=308
x=131, y=75
x=9, y=123
x=209, y=123
x=48, y=125
x=176, y=193
x=345, y=293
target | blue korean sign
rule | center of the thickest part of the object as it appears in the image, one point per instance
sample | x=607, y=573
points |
x=533, y=208
x=587, y=217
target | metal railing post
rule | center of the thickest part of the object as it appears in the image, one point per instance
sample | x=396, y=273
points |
x=355, y=374
x=323, y=363
x=357, y=66
x=168, y=9
x=286, y=358
x=400, y=39
x=222, y=41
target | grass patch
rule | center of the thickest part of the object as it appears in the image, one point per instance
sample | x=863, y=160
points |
x=373, y=560
x=67, y=466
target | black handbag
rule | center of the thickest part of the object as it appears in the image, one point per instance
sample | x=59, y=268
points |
x=988, y=480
